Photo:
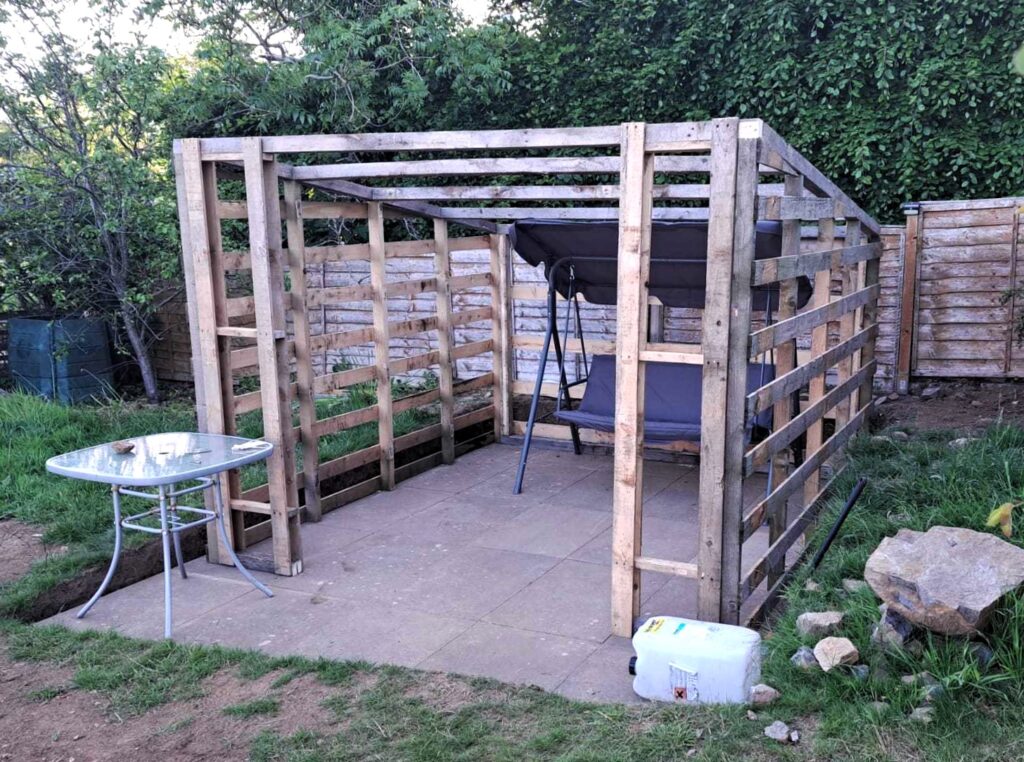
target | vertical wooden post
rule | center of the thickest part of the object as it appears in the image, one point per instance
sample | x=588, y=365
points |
x=869, y=316
x=785, y=361
x=636, y=181
x=715, y=348
x=304, y=375
x=212, y=413
x=848, y=276
x=269, y=299
x=446, y=371
x=908, y=298
x=819, y=344
x=500, y=317
x=381, y=345
x=744, y=231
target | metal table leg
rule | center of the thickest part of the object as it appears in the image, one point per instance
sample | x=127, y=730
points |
x=165, y=539
x=176, y=534
x=218, y=502
x=116, y=495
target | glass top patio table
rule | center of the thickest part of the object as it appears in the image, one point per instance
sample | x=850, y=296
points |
x=159, y=459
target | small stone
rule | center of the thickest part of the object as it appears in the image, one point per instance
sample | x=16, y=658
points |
x=762, y=695
x=915, y=648
x=778, y=731
x=804, y=659
x=893, y=397
x=794, y=736
x=900, y=436
x=982, y=654
x=881, y=439
x=923, y=714
x=811, y=586
x=960, y=443
x=751, y=714
x=123, y=447
x=931, y=392
x=833, y=652
x=878, y=707
x=919, y=678
x=892, y=631
x=933, y=693
x=860, y=671
x=976, y=403
x=854, y=586
x=818, y=624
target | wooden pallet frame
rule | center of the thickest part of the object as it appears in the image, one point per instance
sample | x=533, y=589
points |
x=638, y=173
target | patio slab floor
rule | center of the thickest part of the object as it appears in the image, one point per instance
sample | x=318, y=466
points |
x=452, y=572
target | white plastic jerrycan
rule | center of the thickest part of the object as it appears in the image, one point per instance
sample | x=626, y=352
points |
x=686, y=661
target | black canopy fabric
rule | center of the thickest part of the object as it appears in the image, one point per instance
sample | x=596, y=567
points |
x=678, y=259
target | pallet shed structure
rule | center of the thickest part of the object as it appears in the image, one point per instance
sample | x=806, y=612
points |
x=436, y=194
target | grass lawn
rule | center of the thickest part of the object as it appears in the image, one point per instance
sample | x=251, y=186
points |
x=356, y=711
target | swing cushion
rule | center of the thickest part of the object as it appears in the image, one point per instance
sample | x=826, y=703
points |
x=672, y=399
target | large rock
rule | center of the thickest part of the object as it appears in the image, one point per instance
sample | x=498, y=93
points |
x=834, y=652
x=818, y=624
x=946, y=579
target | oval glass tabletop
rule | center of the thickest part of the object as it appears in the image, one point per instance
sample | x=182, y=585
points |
x=160, y=459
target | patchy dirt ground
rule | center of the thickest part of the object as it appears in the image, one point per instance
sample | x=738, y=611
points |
x=967, y=406
x=20, y=546
x=44, y=717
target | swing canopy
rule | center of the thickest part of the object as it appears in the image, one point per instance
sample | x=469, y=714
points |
x=678, y=259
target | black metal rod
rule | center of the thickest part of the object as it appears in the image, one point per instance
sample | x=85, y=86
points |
x=854, y=496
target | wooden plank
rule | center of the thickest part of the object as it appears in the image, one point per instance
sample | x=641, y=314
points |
x=790, y=328
x=663, y=566
x=268, y=295
x=499, y=392
x=504, y=357
x=780, y=268
x=381, y=345
x=1010, y=346
x=359, y=292
x=963, y=286
x=412, y=287
x=667, y=213
x=962, y=350
x=945, y=332
x=536, y=192
x=212, y=414
x=446, y=371
x=716, y=320
x=964, y=270
x=474, y=280
x=794, y=207
x=236, y=332
x=785, y=354
x=466, y=317
x=1001, y=215
x=965, y=236
x=598, y=438
x=345, y=421
x=594, y=346
x=536, y=165
x=783, y=436
x=752, y=521
x=637, y=178
x=304, y=377
x=332, y=382
x=775, y=390
x=996, y=252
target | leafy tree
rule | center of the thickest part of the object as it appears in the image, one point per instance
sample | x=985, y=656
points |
x=87, y=213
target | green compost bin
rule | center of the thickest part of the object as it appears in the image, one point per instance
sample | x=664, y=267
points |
x=66, y=360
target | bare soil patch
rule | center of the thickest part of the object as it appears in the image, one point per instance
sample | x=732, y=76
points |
x=961, y=405
x=21, y=545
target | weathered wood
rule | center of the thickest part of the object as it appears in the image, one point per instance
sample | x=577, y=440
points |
x=637, y=178
x=500, y=333
x=276, y=411
x=790, y=328
x=715, y=348
x=664, y=566
x=794, y=207
x=382, y=345
x=443, y=269
x=537, y=165
x=665, y=213
x=1015, y=227
x=780, y=268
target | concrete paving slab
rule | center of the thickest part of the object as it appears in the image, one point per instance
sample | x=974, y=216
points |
x=313, y=626
x=604, y=675
x=512, y=655
x=473, y=581
x=543, y=531
x=138, y=610
x=594, y=491
x=668, y=539
x=677, y=597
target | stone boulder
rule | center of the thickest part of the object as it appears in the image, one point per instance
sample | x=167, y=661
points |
x=818, y=624
x=947, y=580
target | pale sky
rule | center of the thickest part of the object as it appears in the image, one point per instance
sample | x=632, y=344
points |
x=161, y=33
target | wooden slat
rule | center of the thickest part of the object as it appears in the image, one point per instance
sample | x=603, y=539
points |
x=795, y=480
x=332, y=382
x=538, y=165
x=412, y=287
x=666, y=213
x=360, y=292
x=780, y=268
x=776, y=389
x=501, y=311
x=443, y=268
x=381, y=346
x=344, y=421
x=598, y=438
x=794, y=208
x=790, y=328
x=783, y=436
x=533, y=192
x=847, y=323
x=466, y=317
x=472, y=349
x=634, y=249
x=593, y=346
x=305, y=382
x=663, y=566
x=476, y=280
x=236, y=332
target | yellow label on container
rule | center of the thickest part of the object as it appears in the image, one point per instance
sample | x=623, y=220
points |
x=654, y=625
